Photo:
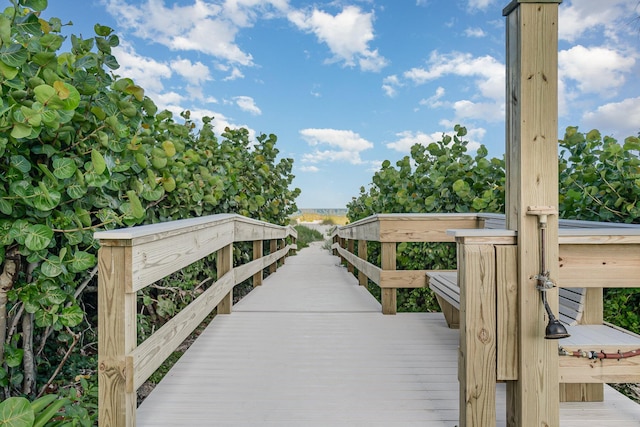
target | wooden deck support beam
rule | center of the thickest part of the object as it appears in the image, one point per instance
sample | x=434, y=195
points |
x=224, y=265
x=273, y=248
x=532, y=180
x=477, y=369
x=116, y=336
x=258, y=249
x=362, y=254
x=350, y=248
x=389, y=299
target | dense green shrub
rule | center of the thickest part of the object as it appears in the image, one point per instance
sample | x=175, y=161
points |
x=83, y=149
x=307, y=235
x=441, y=177
x=599, y=181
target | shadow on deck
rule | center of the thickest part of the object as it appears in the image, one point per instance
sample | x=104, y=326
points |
x=311, y=348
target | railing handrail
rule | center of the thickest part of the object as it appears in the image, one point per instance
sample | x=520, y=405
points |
x=132, y=258
x=390, y=229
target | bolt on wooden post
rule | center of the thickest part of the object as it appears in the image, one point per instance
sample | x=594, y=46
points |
x=532, y=180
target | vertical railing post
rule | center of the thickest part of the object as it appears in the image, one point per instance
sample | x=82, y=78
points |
x=388, y=261
x=224, y=264
x=532, y=181
x=116, y=336
x=350, y=248
x=477, y=364
x=273, y=248
x=362, y=253
x=257, y=254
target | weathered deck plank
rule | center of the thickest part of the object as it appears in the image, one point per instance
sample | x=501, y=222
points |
x=311, y=348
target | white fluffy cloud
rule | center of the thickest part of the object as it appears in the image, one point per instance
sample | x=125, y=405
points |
x=146, y=72
x=310, y=169
x=434, y=101
x=475, y=32
x=408, y=139
x=580, y=17
x=195, y=73
x=390, y=85
x=248, y=104
x=347, y=35
x=480, y=4
x=488, y=71
x=345, y=145
x=202, y=27
x=595, y=69
x=622, y=118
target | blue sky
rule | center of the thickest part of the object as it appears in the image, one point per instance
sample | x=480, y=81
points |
x=346, y=84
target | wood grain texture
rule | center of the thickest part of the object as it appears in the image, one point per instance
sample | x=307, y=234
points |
x=273, y=248
x=600, y=265
x=507, y=312
x=116, y=338
x=224, y=266
x=532, y=180
x=258, y=251
x=371, y=271
x=477, y=370
x=388, y=262
x=363, y=254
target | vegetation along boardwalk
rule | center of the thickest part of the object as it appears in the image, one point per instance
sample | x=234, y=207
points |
x=311, y=348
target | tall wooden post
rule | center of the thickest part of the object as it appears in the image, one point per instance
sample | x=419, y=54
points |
x=257, y=254
x=116, y=336
x=363, y=280
x=273, y=248
x=532, y=182
x=350, y=248
x=224, y=264
x=388, y=261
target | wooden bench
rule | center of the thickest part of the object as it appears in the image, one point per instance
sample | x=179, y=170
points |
x=580, y=365
x=444, y=284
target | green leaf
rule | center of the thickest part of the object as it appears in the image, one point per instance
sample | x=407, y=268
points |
x=95, y=180
x=21, y=163
x=52, y=294
x=5, y=207
x=38, y=237
x=16, y=412
x=52, y=267
x=136, y=207
x=64, y=168
x=68, y=94
x=102, y=30
x=44, y=94
x=13, y=356
x=20, y=131
x=13, y=55
x=71, y=316
x=37, y=5
x=8, y=72
x=97, y=160
x=81, y=261
x=76, y=191
x=45, y=199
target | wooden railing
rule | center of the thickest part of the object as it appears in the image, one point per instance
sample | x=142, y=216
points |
x=591, y=255
x=392, y=229
x=389, y=230
x=133, y=258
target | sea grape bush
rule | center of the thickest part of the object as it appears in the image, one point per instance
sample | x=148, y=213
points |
x=84, y=149
x=599, y=181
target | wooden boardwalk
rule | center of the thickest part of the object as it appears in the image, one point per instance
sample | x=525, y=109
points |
x=311, y=348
